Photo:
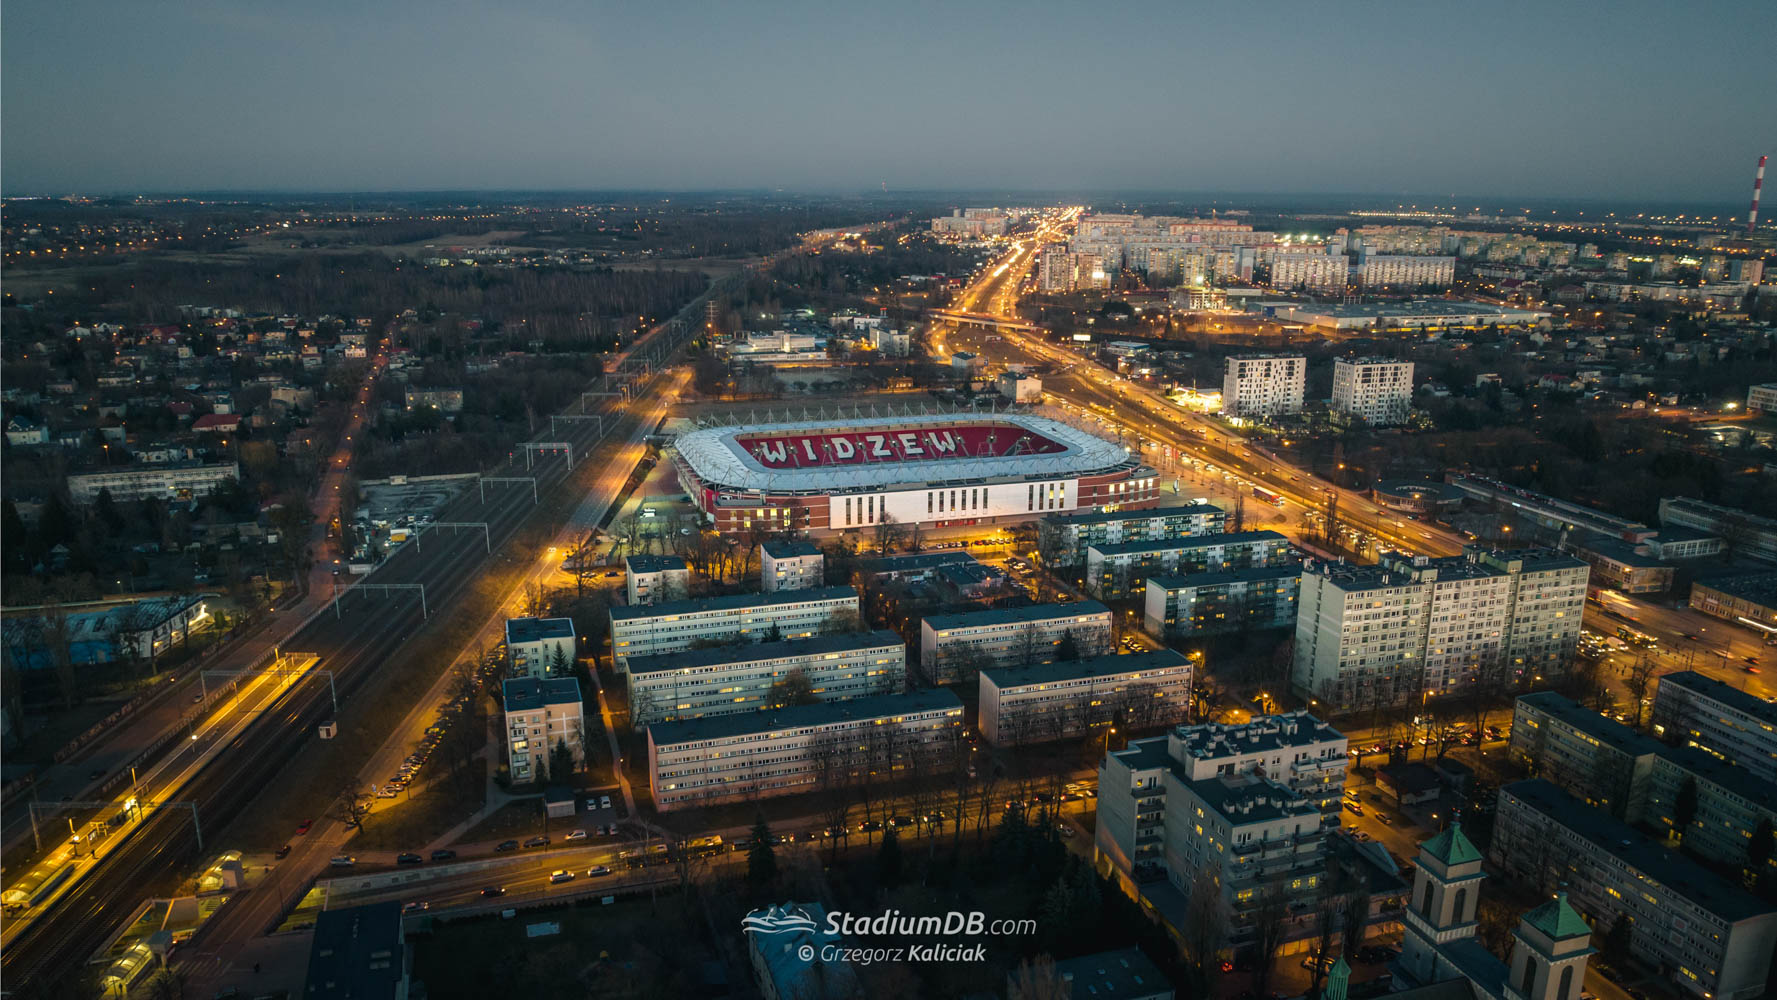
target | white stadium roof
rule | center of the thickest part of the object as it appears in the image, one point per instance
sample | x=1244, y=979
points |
x=719, y=460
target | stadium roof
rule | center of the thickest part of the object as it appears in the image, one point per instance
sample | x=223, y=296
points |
x=716, y=457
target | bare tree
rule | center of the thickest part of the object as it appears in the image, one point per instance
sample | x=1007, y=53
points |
x=1205, y=928
x=888, y=534
x=1269, y=916
x=1036, y=979
x=834, y=763
x=352, y=805
x=1637, y=681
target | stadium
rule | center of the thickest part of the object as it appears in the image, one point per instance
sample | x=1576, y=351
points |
x=937, y=470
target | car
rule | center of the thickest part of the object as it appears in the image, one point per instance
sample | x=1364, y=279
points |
x=1383, y=819
x=1353, y=808
x=304, y=826
x=596, y=871
x=408, y=858
x=443, y=854
x=1749, y=668
x=1065, y=830
x=282, y=852
x=196, y=698
x=506, y=845
x=537, y=841
x=415, y=907
x=576, y=835
x=604, y=802
x=560, y=875
x=343, y=861
x=494, y=890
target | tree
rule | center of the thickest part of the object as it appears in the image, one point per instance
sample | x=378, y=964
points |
x=1269, y=915
x=1636, y=682
x=561, y=761
x=1684, y=807
x=1759, y=848
x=1036, y=979
x=761, y=858
x=558, y=662
x=1355, y=918
x=1068, y=648
x=352, y=806
x=889, y=534
x=1327, y=910
x=888, y=859
x=1205, y=928
x=842, y=621
x=793, y=688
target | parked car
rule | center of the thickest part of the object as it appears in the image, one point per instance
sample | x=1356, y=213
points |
x=303, y=827
x=343, y=861
x=604, y=802
x=507, y=845
x=282, y=852
x=443, y=854
x=408, y=858
x=576, y=835
x=537, y=841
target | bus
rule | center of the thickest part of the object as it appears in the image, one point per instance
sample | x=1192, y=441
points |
x=1269, y=497
x=1635, y=638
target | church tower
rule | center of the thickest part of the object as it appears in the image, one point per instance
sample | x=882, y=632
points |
x=1549, y=951
x=1446, y=896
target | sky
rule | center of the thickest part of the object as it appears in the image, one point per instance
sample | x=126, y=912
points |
x=1633, y=99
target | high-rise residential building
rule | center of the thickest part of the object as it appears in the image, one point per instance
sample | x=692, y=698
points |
x=790, y=565
x=1402, y=271
x=1707, y=935
x=1426, y=628
x=1238, y=600
x=1315, y=272
x=1070, y=698
x=676, y=625
x=653, y=579
x=1066, y=536
x=728, y=680
x=1732, y=808
x=1376, y=390
x=1594, y=758
x=1121, y=569
x=539, y=647
x=796, y=749
x=542, y=715
x=1263, y=385
x=1239, y=809
x=1009, y=637
x=1733, y=725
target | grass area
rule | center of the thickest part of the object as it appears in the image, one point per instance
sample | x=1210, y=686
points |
x=311, y=783
x=520, y=819
x=410, y=823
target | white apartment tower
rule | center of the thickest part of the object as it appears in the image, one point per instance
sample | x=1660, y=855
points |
x=1376, y=390
x=1263, y=385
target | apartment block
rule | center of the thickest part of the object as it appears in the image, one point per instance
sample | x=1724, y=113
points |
x=159, y=482
x=675, y=625
x=1370, y=635
x=1731, y=806
x=1067, y=536
x=790, y=565
x=1117, y=570
x=1719, y=719
x=1166, y=817
x=1762, y=398
x=1316, y=272
x=541, y=715
x=1405, y=271
x=1070, y=698
x=1598, y=760
x=1258, y=597
x=790, y=750
x=730, y=680
x=1263, y=385
x=1375, y=390
x=1711, y=938
x=656, y=579
x=536, y=646
x=1009, y=637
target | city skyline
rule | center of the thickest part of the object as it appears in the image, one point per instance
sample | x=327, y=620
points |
x=109, y=98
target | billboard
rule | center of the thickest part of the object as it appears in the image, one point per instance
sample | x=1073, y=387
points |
x=924, y=444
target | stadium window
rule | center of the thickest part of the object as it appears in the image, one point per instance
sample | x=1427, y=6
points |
x=848, y=510
x=1030, y=496
x=928, y=501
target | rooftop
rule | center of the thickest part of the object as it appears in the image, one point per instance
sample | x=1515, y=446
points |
x=536, y=629
x=1213, y=740
x=1727, y=694
x=1124, y=974
x=793, y=548
x=1557, y=919
x=1708, y=767
x=1009, y=616
x=1604, y=730
x=1191, y=581
x=653, y=564
x=1452, y=846
x=748, y=652
x=357, y=952
x=1638, y=852
x=1190, y=542
x=1098, y=666
x=1756, y=588
x=1247, y=798
x=733, y=602
x=526, y=693
x=916, y=562
x=881, y=706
